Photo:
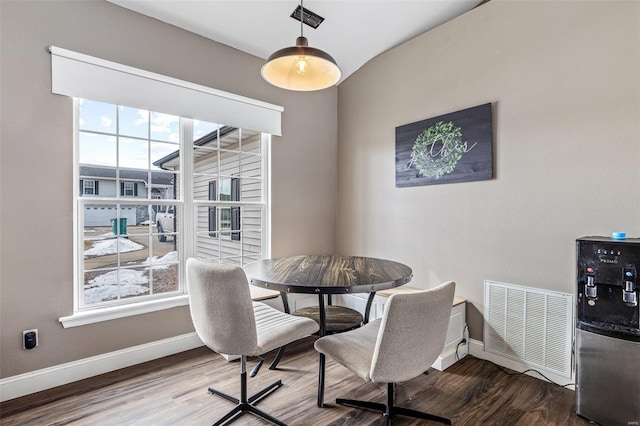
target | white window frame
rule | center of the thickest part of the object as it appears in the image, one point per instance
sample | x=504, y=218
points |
x=78, y=75
x=129, y=189
x=186, y=244
x=85, y=187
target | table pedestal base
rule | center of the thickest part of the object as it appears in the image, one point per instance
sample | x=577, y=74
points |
x=338, y=318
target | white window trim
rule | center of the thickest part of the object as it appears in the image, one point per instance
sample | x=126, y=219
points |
x=83, y=76
x=94, y=315
x=122, y=311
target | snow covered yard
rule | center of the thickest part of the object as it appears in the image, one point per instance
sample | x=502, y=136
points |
x=103, y=250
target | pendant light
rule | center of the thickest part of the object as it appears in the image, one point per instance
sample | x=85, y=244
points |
x=301, y=67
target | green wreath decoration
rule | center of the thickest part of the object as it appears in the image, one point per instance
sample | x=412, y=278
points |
x=437, y=150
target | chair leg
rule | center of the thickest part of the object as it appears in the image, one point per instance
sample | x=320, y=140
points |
x=264, y=392
x=229, y=398
x=389, y=409
x=321, y=362
x=278, y=357
x=245, y=404
x=367, y=405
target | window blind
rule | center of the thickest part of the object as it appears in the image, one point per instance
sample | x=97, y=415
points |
x=83, y=76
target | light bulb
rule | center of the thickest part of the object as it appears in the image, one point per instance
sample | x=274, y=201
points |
x=301, y=65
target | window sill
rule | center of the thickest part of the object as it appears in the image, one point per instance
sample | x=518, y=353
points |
x=115, y=312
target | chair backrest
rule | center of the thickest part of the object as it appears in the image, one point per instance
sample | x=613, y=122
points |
x=221, y=307
x=412, y=333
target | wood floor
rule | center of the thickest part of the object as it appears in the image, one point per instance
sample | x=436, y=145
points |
x=173, y=391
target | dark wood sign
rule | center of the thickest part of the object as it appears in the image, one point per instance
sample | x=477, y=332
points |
x=450, y=148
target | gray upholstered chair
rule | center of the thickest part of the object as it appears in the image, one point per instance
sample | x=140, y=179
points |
x=228, y=322
x=400, y=346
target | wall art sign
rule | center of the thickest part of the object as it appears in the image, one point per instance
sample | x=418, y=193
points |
x=450, y=148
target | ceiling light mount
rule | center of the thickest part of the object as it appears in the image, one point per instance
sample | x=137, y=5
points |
x=300, y=67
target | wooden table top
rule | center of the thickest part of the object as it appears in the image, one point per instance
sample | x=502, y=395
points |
x=328, y=274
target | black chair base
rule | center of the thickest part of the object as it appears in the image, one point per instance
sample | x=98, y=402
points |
x=389, y=410
x=244, y=404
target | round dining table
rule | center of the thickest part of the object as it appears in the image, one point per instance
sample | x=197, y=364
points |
x=327, y=275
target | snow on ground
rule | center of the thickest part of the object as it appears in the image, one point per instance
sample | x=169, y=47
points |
x=102, y=248
x=133, y=282
x=171, y=257
x=101, y=236
x=105, y=287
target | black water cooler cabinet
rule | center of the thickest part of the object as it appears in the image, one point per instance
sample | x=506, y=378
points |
x=608, y=331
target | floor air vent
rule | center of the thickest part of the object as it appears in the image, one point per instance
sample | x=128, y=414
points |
x=529, y=325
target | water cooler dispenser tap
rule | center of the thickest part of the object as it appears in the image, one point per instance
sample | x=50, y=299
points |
x=590, y=289
x=629, y=296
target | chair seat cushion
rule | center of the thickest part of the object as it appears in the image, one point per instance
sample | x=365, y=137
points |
x=277, y=329
x=353, y=349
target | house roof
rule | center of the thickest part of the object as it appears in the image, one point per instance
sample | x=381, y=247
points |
x=157, y=178
x=204, y=140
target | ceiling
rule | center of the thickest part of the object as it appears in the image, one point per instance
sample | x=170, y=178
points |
x=354, y=31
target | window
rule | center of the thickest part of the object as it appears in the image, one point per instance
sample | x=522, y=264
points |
x=229, y=178
x=171, y=159
x=213, y=210
x=88, y=187
x=229, y=216
x=160, y=202
x=129, y=189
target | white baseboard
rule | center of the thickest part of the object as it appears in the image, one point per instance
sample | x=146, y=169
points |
x=447, y=359
x=47, y=378
x=476, y=349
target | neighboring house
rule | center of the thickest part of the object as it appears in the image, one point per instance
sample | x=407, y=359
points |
x=101, y=182
x=225, y=171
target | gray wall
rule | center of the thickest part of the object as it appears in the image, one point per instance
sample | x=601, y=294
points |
x=36, y=167
x=563, y=78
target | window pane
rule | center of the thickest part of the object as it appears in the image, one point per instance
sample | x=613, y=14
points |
x=135, y=219
x=97, y=149
x=166, y=220
x=134, y=154
x=205, y=187
x=251, y=218
x=100, y=286
x=230, y=138
x=225, y=189
x=165, y=127
x=203, y=128
x=163, y=186
x=164, y=156
x=207, y=245
x=139, y=257
x=97, y=116
x=100, y=248
x=164, y=278
x=133, y=282
x=128, y=159
x=205, y=159
x=225, y=221
x=163, y=253
x=251, y=141
x=251, y=245
x=106, y=251
x=251, y=166
x=250, y=190
x=134, y=122
x=229, y=164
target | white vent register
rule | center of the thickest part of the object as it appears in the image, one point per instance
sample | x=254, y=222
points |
x=529, y=325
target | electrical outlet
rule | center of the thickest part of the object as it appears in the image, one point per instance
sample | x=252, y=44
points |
x=30, y=339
